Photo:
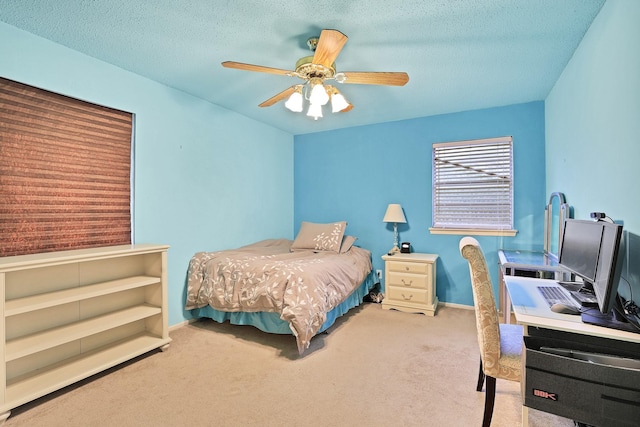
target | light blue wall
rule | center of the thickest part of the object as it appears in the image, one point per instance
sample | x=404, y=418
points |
x=593, y=127
x=352, y=174
x=205, y=178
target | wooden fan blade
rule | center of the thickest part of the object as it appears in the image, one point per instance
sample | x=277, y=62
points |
x=279, y=97
x=257, y=68
x=329, y=46
x=376, y=78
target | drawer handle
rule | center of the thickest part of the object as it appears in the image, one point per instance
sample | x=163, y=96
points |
x=407, y=298
x=406, y=268
x=405, y=283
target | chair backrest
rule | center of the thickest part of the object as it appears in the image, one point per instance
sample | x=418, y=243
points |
x=487, y=321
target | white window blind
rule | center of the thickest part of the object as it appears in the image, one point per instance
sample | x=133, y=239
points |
x=473, y=184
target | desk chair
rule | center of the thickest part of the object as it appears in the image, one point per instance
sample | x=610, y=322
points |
x=500, y=344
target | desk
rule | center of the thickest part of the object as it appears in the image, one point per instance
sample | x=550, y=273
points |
x=519, y=263
x=532, y=311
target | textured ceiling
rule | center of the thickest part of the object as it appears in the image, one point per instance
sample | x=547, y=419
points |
x=459, y=54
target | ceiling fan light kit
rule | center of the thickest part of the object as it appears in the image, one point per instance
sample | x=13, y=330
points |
x=316, y=70
x=318, y=96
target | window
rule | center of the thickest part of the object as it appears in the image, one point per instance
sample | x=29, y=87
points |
x=473, y=187
x=65, y=172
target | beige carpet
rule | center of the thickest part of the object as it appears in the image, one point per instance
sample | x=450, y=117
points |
x=374, y=368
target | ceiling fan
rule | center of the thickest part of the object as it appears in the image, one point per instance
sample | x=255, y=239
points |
x=316, y=70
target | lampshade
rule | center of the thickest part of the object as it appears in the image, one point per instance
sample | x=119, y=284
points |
x=294, y=103
x=315, y=111
x=318, y=94
x=394, y=214
x=338, y=103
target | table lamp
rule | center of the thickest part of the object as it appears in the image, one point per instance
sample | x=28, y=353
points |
x=395, y=215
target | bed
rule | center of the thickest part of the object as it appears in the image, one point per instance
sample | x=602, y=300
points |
x=281, y=286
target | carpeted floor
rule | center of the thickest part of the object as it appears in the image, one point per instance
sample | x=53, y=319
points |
x=374, y=367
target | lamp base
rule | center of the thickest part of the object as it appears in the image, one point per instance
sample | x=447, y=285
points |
x=394, y=250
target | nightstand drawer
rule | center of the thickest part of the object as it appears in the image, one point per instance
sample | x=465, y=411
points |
x=408, y=280
x=408, y=295
x=408, y=267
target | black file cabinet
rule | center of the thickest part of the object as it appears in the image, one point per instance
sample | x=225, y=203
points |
x=584, y=378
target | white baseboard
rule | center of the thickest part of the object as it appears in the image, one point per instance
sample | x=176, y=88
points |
x=454, y=305
x=181, y=324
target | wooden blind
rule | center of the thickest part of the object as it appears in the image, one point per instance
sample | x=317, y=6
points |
x=65, y=168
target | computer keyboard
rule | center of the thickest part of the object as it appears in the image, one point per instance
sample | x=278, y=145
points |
x=556, y=295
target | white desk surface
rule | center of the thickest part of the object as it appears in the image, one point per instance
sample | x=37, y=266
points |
x=531, y=309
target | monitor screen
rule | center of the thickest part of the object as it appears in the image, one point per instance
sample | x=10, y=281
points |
x=590, y=249
x=580, y=247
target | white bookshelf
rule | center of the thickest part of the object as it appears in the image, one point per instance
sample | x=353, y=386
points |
x=65, y=316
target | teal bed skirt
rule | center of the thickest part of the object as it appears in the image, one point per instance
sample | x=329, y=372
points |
x=272, y=323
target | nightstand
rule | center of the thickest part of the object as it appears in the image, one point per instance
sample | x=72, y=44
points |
x=410, y=283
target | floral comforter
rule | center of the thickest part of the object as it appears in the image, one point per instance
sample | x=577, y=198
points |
x=266, y=276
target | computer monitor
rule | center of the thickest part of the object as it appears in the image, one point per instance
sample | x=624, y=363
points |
x=590, y=250
x=609, y=268
x=580, y=248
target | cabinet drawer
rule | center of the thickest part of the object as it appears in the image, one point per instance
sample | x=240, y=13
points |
x=408, y=280
x=409, y=267
x=419, y=296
